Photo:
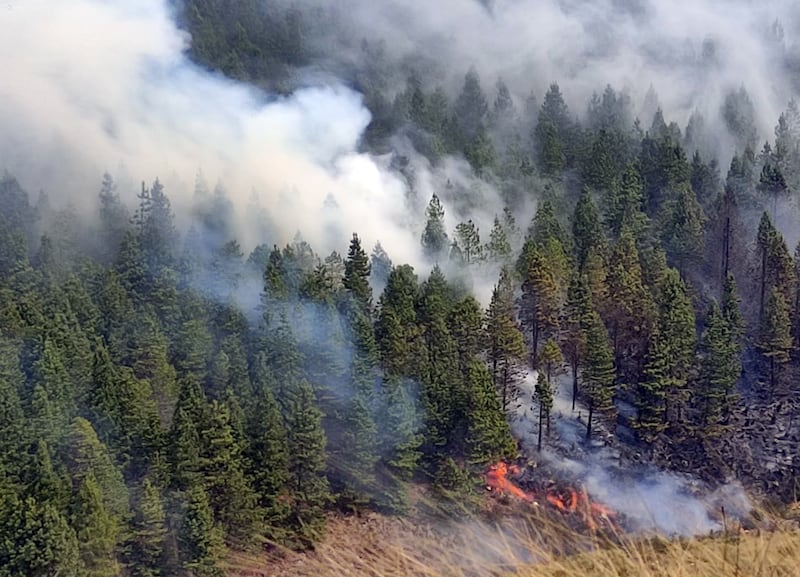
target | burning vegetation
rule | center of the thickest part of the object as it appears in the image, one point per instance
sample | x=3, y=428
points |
x=575, y=503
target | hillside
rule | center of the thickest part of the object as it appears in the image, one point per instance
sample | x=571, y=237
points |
x=328, y=281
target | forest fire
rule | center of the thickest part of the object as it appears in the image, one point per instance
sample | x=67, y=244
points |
x=567, y=500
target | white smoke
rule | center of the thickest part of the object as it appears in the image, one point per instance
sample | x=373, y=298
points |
x=652, y=500
x=90, y=86
x=691, y=52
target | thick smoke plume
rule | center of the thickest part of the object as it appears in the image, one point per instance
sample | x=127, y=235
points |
x=91, y=86
x=94, y=86
x=691, y=53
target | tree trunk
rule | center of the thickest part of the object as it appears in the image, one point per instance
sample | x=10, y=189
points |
x=574, y=383
x=589, y=421
x=539, y=442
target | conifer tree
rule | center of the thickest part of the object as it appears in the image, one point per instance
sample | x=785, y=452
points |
x=720, y=367
x=586, y=231
x=540, y=303
x=267, y=459
x=148, y=537
x=37, y=539
x=96, y=530
x=775, y=338
x=488, y=436
x=220, y=463
x=578, y=311
x=663, y=391
x=434, y=237
x=598, y=371
x=506, y=346
x=201, y=543
x=498, y=249
x=308, y=485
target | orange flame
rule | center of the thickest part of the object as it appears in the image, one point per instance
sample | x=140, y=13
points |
x=496, y=479
x=570, y=501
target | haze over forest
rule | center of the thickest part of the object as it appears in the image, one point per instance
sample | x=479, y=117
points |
x=262, y=261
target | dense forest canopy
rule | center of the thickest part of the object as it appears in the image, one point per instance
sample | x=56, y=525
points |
x=400, y=226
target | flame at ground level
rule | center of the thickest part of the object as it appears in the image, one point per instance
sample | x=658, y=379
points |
x=569, y=501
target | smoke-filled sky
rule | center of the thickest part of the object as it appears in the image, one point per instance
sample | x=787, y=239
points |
x=96, y=85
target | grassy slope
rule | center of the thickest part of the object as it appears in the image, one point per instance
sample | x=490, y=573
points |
x=537, y=545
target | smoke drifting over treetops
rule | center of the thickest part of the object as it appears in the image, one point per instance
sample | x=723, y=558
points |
x=92, y=86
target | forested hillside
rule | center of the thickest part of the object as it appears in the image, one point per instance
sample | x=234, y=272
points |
x=168, y=393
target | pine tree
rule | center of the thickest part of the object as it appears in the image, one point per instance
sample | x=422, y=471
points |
x=230, y=495
x=356, y=275
x=720, y=367
x=267, y=459
x=307, y=483
x=488, y=437
x=201, y=544
x=775, y=338
x=498, y=249
x=434, y=237
x=184, y=436
x=37, y=540
x=469, y=241
x=357, y=457
x=395, y=330
x=598, y=371
x=540, y=303
x=551, y=133
x=578, y=311
x=149, y=533
x=586, y=231
x=663, y=392
x=96, y=530
x=506, y=345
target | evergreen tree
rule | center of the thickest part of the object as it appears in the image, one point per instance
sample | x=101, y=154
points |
x=96, y=530
x=267, y=459
x=488, y=437
x=148, y=537
x=586, y=230
x=469, y=241
x=598, y=371
x=775, y=338
x=37, y=540
x=720, y=367
x=506, y=346
x=307, y=483
x=201, y=544
x=578, y=311
x=434, y=237
x=356, y=275
x=498, y=249
x=663, y=391
x=541, y=301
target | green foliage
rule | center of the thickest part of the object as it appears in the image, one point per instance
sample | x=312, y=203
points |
x=306, y=442
x=37, y=540
x=598, y=370
x=506, y=345
x=96, y=530
x=201, y=544
x=434, y=237
x=147, y=543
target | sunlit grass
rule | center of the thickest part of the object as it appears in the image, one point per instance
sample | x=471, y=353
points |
x=539, y=543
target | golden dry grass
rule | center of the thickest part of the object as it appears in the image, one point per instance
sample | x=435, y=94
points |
x=538, y=544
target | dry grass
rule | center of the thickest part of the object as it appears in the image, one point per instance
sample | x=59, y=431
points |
x=538, y=544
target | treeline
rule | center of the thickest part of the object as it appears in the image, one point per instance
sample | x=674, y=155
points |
x=150, y=419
